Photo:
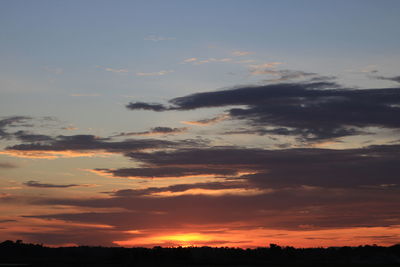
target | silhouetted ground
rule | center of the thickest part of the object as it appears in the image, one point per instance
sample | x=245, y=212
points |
x=21, y=254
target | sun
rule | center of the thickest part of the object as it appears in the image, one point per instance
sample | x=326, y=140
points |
x=185, y=240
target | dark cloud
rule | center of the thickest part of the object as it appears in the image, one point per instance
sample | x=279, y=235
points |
x=30, y=137
x=305, y=134
x=176, y=188
x=91, y=142
x=394, y=78
x=161, y=172
x=11, y=122
x=156, y=131
x=43, y=185
x=146, y=106
x=375, y=165
x=315, y=110
x=286, y=75
x=281, y=209
x=7, y=221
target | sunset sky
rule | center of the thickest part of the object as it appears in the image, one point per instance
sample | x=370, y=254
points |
x=200, y=123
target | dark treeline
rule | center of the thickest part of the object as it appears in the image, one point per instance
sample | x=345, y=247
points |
x=22, y=254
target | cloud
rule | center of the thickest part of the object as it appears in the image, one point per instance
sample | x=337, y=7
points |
x=199, y=61
x=69, y=128
x=179, y=188
x=78, y=94
x=30, y=137
x=13, y=121
x=146, y=106
x=209, y=60
x=156, y=131
x=157, y=38
x=85, y=145
x=394, y=78
x=351, y=168
x=116, y=70
x=305, y=135
x=209, y=121
x=273, y=209
x=159, y=73
x=265, y=68
x=315, y=110
x=286, y=75
x=7, y=165
x=189, y=60
x=239, y=53
x=168, y=172
x=46, y=185
x=7, y=221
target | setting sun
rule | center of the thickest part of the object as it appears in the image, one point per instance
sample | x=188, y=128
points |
x=184, y=240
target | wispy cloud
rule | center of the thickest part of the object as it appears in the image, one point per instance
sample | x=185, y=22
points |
x=158, y=73
x=155, y=131
x=189, y=60
x=69, y=128
x=78, y=94
x=264, y=68
x=209, y=121
x=47, y=185
x=200, y=61
x=393, y=78
x=157, y=38
x=239, y=53
x=116, y=70
x=209, y=60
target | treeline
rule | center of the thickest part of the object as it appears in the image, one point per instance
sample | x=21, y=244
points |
x=22, y=254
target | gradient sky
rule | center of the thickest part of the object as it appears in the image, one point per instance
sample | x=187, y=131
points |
x=218, y=123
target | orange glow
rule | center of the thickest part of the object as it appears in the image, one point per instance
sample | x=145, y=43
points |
x=40, y=154
x=262, y=237
x=213, y=192
x=183, y=240
x=109, y=175
x=184, y=237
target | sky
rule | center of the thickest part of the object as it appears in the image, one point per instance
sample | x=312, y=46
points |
x=200, y=123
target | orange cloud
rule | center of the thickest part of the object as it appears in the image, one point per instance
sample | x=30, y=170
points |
x=206, y=122
x=214, y=192
x=44, y=154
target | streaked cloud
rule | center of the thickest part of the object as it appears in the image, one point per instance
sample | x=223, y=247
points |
x=84, y=95
x=189, y=60
x=117, y=70
x=393, y=78
x=33, y=183
x=209, y=60
x=155, y=131
x=205, y=122
x=240, y=53
x=158, y=73
x=158, y=38
x=85, y=146
x=265, y=68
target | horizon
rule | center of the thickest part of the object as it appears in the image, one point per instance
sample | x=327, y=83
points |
x=183, y=123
